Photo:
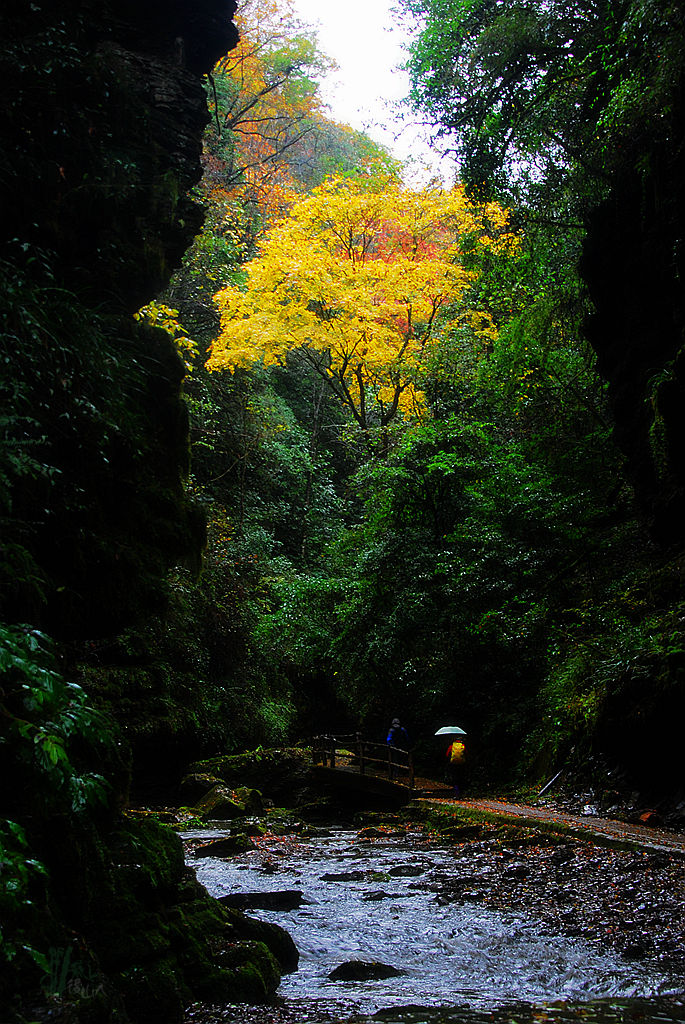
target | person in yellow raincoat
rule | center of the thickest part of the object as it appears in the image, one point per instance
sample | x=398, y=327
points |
x=456, y=758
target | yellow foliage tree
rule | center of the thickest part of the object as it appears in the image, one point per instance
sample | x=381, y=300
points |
x=354, y=278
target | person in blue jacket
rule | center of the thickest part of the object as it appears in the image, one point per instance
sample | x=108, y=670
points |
x=397, y=739
x=397, y=735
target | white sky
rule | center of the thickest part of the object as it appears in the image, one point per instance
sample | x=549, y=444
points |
x=366, y=44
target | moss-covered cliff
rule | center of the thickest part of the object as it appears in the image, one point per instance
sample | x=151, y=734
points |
x=634, y=265
x=100, y=131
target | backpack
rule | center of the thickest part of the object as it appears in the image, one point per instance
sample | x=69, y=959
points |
x=457, y=752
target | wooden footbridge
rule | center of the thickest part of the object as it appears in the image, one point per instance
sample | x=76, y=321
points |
x=353, y=763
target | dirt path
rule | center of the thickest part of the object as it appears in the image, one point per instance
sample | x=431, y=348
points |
x=617, y=832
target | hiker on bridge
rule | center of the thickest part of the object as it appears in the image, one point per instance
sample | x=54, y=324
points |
x=398, y=736
x=397, y=739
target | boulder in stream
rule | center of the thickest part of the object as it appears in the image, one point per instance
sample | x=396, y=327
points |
x=282, y=899
x=226, y=847
x=407, y=871
x=364, y=970
x=344, y=876
x=222, y=803
x=371, y=833
x=219, y=805
x=381, y=894
x=279, y=942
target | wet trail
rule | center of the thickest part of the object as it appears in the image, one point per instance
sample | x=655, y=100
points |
x=631, y=833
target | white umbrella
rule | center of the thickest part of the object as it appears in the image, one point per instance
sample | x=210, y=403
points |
x=450, y=730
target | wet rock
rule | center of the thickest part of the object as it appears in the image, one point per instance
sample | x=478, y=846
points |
x=278, y=941
x=519, y=869
x=364, y=970
x=676, y=817
x=344, y=876
x=371, y=833
x=473, y=880
x=226, y=847
x=381, y=894
x=635, y=951
x=253, y=828
x=219, y=805
x=407, y=871
x=284, y=822
x=281, y=899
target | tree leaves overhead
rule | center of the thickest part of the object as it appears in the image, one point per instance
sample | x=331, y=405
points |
x=544, y=89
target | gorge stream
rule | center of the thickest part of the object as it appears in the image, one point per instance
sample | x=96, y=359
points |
x=385, y=898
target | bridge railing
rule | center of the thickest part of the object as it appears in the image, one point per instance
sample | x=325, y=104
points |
x=350, y=752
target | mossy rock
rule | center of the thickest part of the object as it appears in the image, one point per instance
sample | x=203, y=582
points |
x=196, y=786
x=247, y=971
x=251, y=799
x=155, y=994
x=281, y=821
x=164, y=938
x=278, y=940
x=320, y=809
x=219, y=805
x=283, y=774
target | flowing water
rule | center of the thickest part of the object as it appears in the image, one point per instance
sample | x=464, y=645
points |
x=459, y=961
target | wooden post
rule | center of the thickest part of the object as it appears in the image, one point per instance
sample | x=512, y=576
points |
x=360, y=748
x=411, y=769
x=333, y=752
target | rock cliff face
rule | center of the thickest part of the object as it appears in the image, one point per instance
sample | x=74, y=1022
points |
x=634, y=264
x=100, y=142
x=104, y=112
x=101, y=127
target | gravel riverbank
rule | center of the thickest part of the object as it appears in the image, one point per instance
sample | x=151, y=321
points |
x=630, y=901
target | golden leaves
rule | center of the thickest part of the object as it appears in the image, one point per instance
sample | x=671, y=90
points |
x=361, y=271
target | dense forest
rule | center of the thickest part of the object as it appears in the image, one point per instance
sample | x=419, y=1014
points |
x=290, y=445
